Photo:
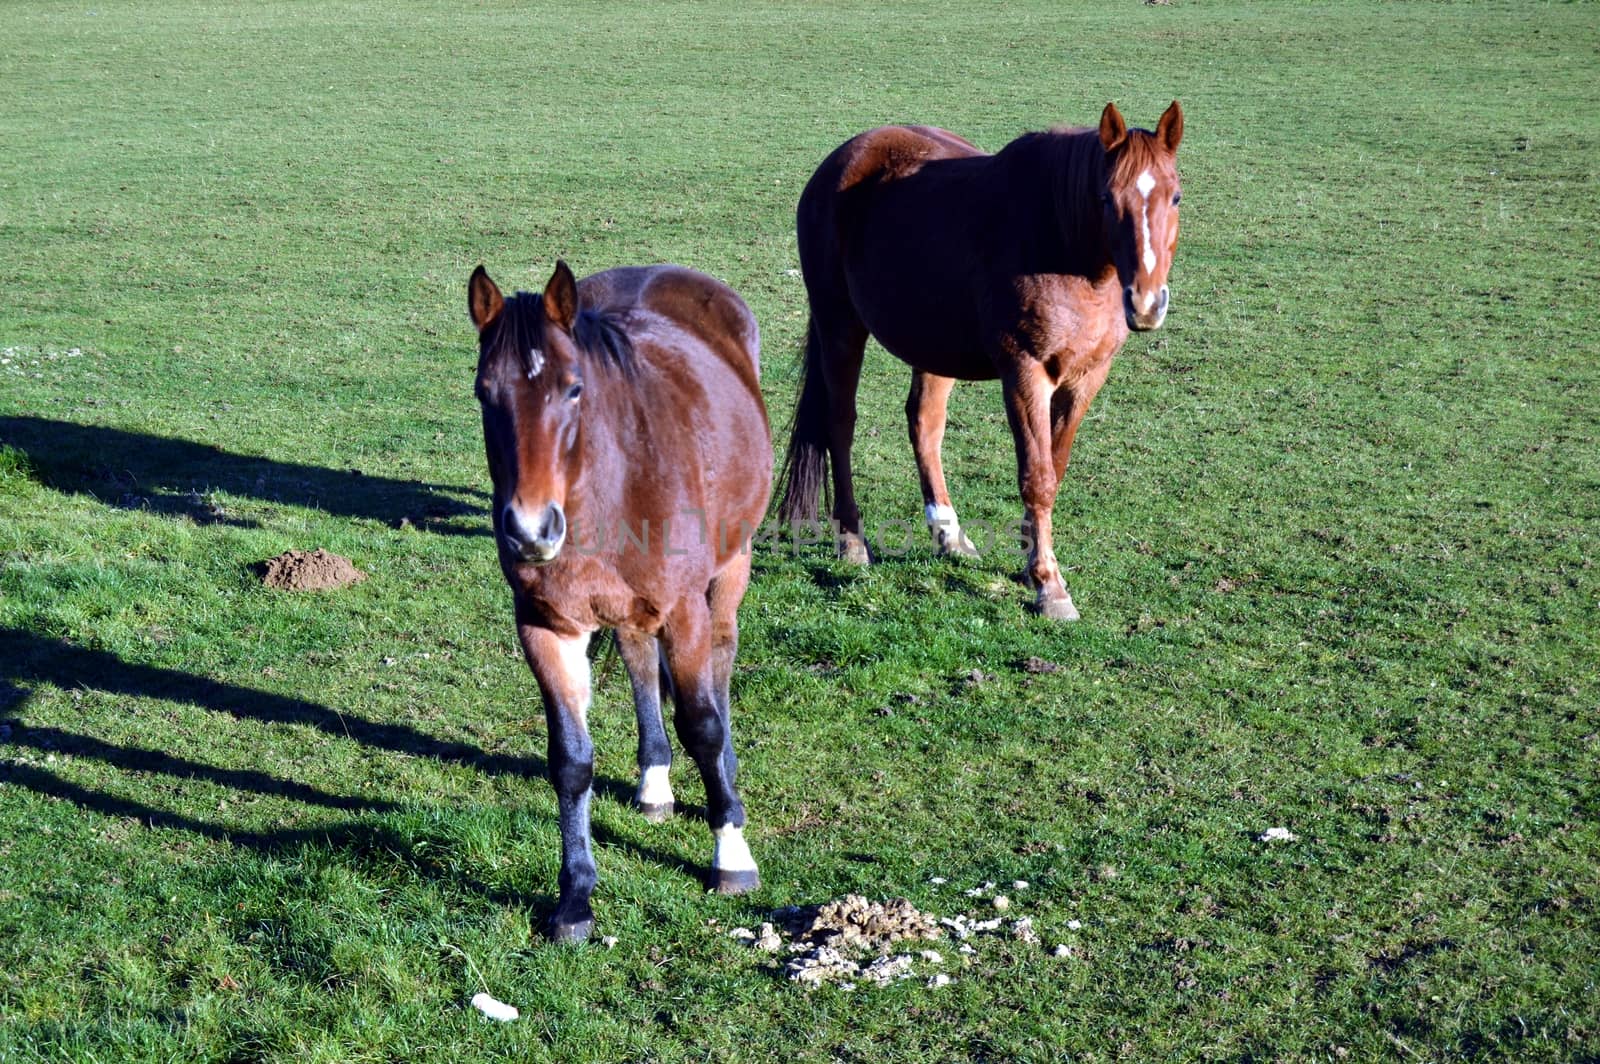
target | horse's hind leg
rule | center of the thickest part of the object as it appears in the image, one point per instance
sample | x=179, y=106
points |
x=642, y=656
x=836, y=342
x=926, y=408
x=722, y=598
x=700, y=644
x=844, y=347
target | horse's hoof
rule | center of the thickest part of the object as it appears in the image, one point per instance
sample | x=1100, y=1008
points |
x=853, y=549
x=961, y=547
x=656, y=812
x=576, y=931
x=1057, y=609
x=743, y=881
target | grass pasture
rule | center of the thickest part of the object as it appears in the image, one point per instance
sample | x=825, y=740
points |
x=1333, y=531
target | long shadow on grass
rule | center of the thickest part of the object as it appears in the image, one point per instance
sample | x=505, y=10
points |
x=363, y=841
x=28, y=659
x=137, y=471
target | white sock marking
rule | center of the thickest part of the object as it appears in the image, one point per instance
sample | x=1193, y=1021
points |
x=654, y=787
x=1145, y=184
x=732, y=854
x=575, y=663
x=943, y=524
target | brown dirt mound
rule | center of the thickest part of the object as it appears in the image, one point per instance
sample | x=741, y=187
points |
x=299, y=570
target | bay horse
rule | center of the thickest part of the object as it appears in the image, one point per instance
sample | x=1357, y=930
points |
x=1030, y=265
x=630, y=455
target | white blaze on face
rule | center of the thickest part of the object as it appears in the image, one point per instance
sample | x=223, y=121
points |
x=536, y=360
x=732, y=854
x=1146, y=184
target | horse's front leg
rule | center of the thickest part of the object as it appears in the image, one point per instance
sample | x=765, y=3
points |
x=700, y=716
x=642, y=655
x=561, y=665
x=1028, y=392
x=1067, y=407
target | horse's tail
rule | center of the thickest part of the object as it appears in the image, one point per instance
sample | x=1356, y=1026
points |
x=805, y=466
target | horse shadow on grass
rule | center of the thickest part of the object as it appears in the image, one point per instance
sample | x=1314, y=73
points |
x=137, y=471
x=27, y=659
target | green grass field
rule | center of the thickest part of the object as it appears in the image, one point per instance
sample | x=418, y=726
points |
x=1333, y=531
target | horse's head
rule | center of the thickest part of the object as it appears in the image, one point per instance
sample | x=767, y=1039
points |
x=530, y=388
x=1140, y=198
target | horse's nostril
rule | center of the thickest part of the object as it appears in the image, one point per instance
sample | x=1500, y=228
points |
x=538, y=540
x=511, y=525
x=553, y=526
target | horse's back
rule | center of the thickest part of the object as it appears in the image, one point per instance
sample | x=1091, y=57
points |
x=703, y=345
x=701, y=305
x=888, y=153
x=891, y=233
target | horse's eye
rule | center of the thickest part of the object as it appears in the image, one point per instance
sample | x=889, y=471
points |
x=575, y=391
x=1177, y=197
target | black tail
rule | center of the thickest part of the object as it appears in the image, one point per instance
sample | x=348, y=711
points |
x=805, y=466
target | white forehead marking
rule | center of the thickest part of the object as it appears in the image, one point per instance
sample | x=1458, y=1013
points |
x=1144, y=184
x=535, y=362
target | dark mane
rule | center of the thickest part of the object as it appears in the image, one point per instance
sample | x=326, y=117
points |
x=599, y=334
x=1064, y=173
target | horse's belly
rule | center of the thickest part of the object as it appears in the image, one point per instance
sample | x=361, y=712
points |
x=923, y=313
x=942, y=353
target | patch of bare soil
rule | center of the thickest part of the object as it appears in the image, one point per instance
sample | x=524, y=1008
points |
x=316, y=570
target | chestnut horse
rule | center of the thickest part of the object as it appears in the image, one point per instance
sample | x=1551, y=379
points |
x=1029, y=265
x=630, y=454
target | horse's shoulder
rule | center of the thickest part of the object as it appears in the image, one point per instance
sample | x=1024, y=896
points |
x=891, y=153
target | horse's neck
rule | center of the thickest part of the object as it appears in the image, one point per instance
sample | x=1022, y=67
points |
x=607, y=467
x=1055, y=177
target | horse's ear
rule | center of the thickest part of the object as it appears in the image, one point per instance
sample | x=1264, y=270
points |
x=484, y=301
x=561, y=297
x=1113, y=130
x=1170, y=129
